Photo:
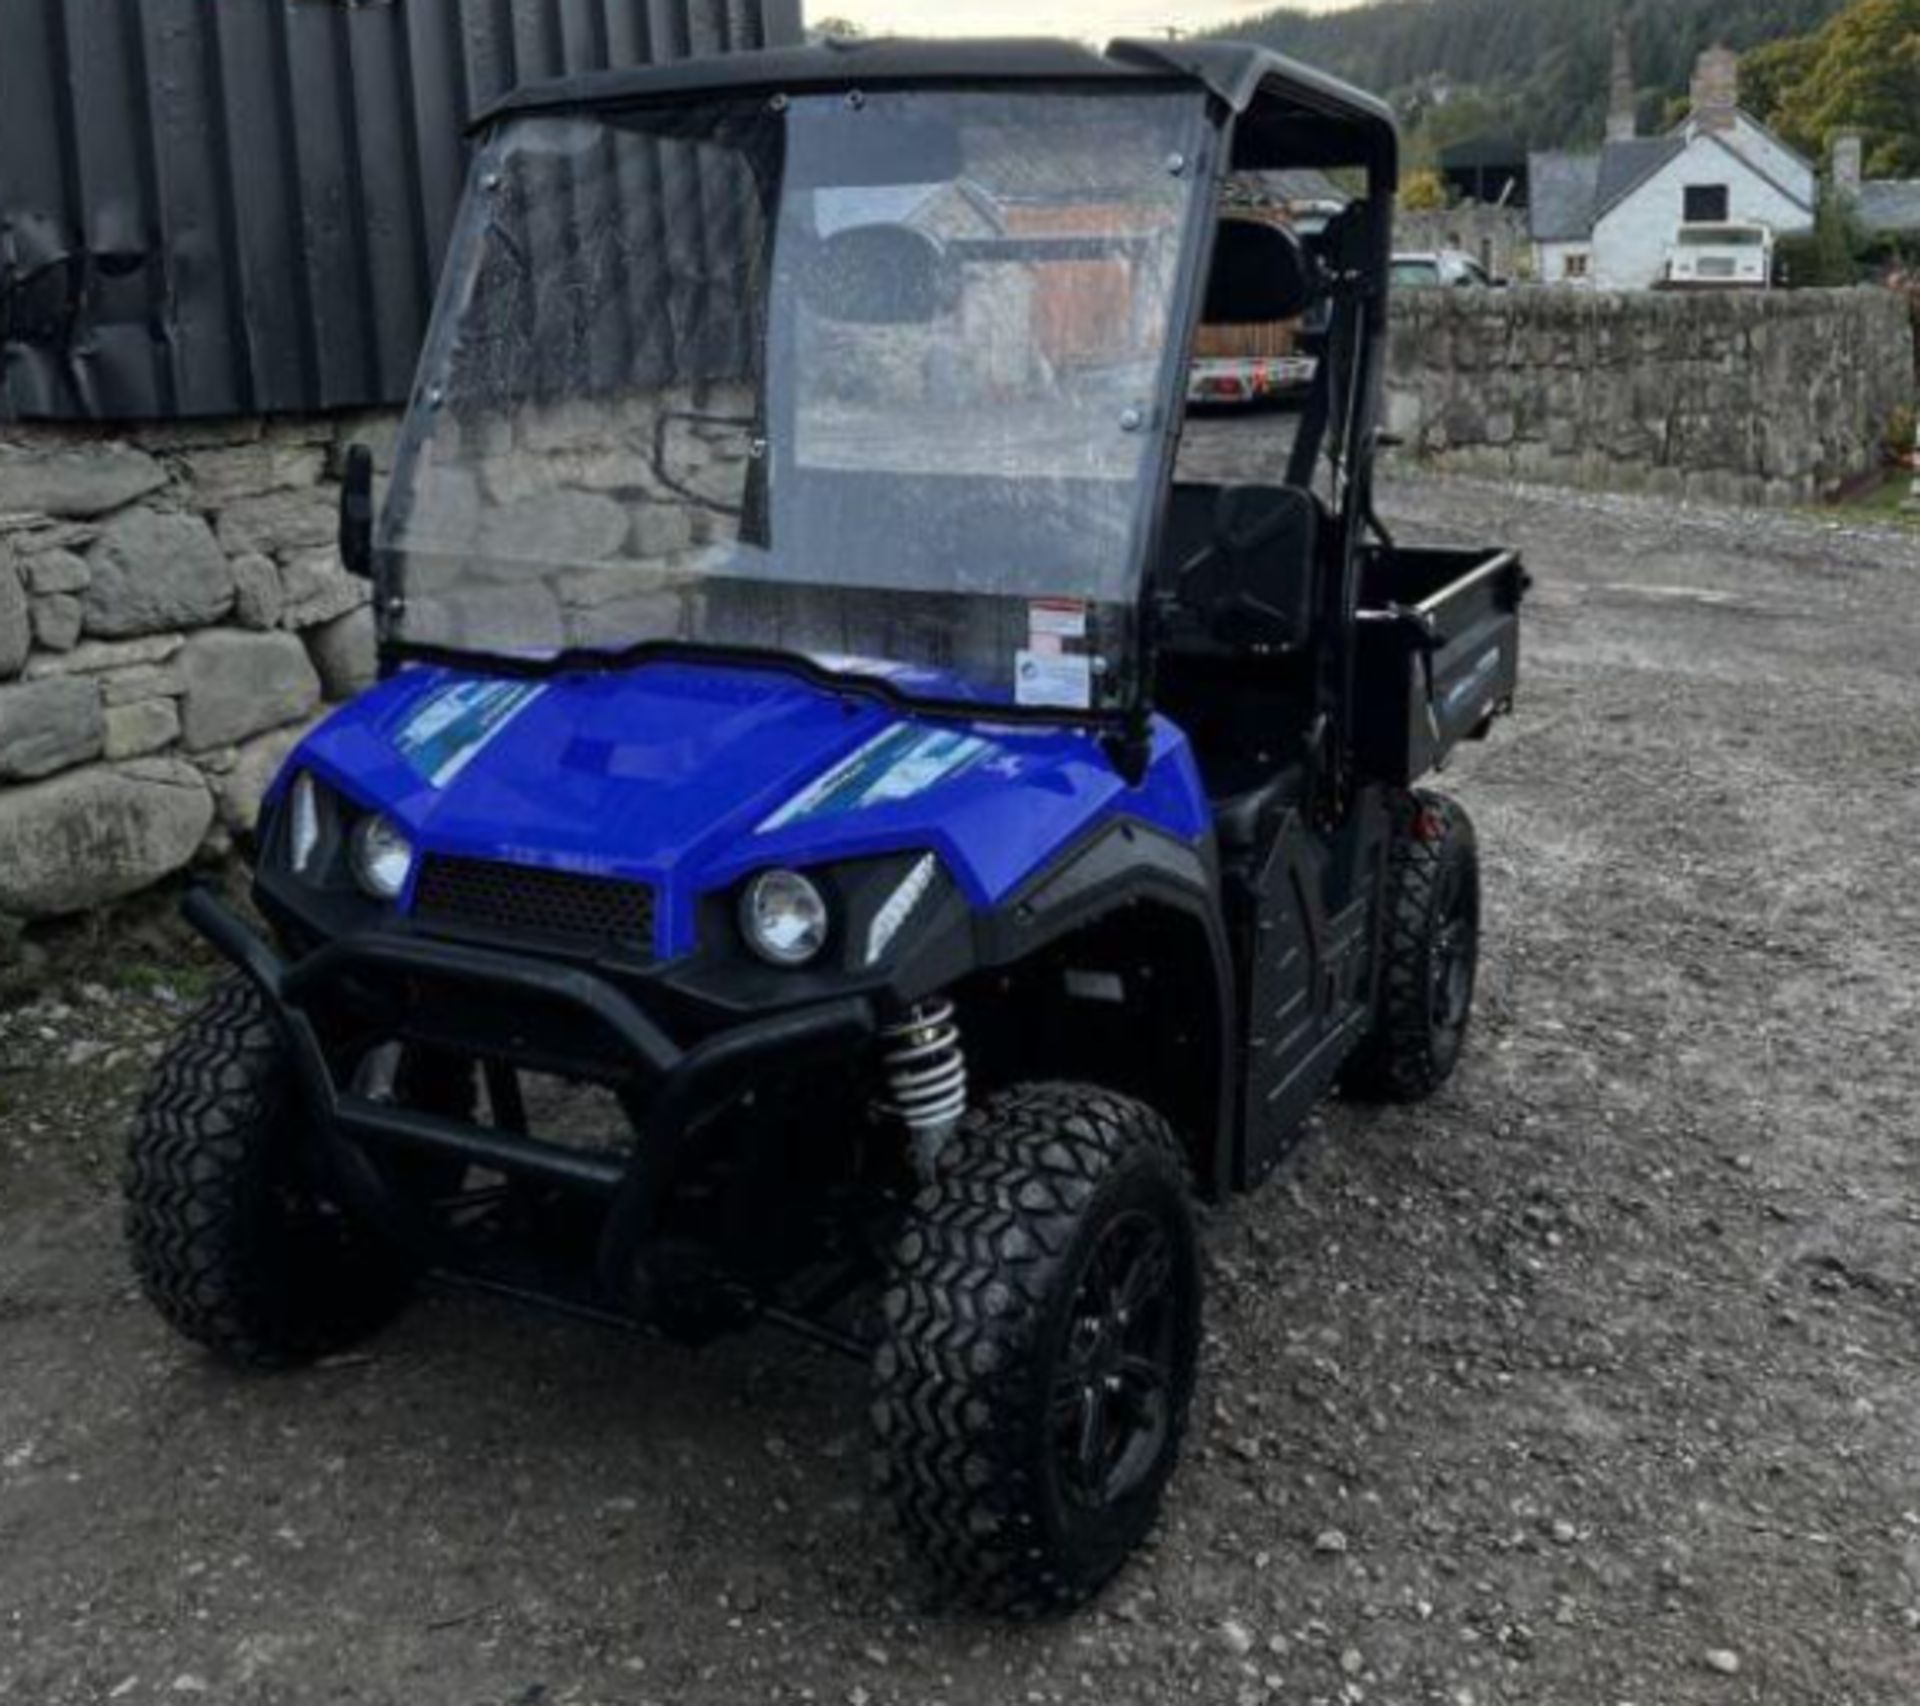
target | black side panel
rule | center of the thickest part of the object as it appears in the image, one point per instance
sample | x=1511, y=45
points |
x=1306, y=941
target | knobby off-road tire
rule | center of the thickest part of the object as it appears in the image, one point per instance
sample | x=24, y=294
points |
x=232, y=1238
x=1431, y=945
x=1043, y=1322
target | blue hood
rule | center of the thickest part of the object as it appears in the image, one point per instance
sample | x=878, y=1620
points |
x=688, y=777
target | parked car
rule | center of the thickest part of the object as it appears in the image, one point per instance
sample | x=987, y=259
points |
x=1721, y=257
x=1440, y=267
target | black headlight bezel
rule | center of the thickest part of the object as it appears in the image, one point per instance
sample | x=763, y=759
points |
x=856, y=891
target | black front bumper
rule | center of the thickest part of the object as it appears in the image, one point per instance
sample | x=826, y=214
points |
x=613, y=1040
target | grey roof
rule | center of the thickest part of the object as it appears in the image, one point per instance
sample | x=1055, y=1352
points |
x=1570, y=193
x=1685, y=127
x=1625, y=166
x=1561, y=195
x=1890, y=206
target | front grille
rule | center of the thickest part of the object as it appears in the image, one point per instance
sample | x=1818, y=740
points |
x=522, y=900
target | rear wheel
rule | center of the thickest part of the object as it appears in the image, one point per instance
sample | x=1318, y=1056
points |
x=1043, y=1320
x=234, y=1235
x=1431, y=948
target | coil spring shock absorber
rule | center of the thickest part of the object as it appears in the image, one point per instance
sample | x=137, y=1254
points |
x=926, y=1078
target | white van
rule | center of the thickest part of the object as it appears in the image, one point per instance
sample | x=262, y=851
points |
x=1721, y=257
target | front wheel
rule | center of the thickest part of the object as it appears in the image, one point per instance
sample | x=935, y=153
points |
x=234, y=1236
x=1043, y=1324
x=1430, y=944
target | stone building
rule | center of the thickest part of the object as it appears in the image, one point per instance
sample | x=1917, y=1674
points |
x=1610, y=219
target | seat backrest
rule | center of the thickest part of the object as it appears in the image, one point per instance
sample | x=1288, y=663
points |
x=1257, y=539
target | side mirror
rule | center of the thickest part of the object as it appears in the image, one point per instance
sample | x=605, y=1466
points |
x=356, y=512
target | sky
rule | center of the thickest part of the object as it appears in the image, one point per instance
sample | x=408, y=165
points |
x=1097, y=19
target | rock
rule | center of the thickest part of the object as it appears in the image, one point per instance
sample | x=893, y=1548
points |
x=99, y=834
x=280, y=521
x=47, y=726
x=153, y=572
x=80, y=479
x=16, y=622
x=660, y=530
x=343, y=653
x=225, y=474
x=490, y=618
x=319, y=590
x=240, y=789
x=98, y=657
x=57, y=621
x=1564, y=1533
x=1237, y=1638
x=143, y=681
x=1723, y=1660
x=1330, y=1543
x=147, y=725
x=236, y=685
x=258, y=598
x=56, y=571
x=557, y=527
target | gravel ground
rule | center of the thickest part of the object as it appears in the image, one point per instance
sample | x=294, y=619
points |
x=1592, y=1382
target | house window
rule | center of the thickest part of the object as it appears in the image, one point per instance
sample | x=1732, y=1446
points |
x=1576, y=267
x=1707, y=204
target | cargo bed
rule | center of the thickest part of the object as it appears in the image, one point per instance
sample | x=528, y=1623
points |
x=1438, y=655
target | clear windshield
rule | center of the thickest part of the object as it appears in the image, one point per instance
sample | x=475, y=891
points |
x=882, y=382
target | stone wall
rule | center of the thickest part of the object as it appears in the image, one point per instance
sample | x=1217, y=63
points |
x=1777, y=398
x=173, y=615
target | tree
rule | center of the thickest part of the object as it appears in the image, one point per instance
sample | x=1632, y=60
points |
x=1423, y=192
x=1828, y=258
x=1862, y=72
x=843, y=27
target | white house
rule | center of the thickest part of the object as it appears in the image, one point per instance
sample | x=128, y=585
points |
x=1611, y=219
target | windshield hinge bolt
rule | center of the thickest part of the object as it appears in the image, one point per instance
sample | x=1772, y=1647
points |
x=1177, y=164
x=1132, y=420
x=778, y=104
x=491, y=181
x=856, y=99
x=436, y=395
x=396, y=606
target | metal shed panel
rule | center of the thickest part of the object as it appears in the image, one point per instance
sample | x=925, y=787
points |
x=215, y=207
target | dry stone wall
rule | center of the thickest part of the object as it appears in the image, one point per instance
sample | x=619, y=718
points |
x=1775, y=398
x=173, y=616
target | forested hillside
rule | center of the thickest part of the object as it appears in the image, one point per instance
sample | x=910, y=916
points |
x=1537, y=69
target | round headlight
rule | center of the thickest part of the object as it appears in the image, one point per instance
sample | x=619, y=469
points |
x=785, y=918
x=382, y=858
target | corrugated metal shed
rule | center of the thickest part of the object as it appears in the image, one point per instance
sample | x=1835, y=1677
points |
x=214, y=207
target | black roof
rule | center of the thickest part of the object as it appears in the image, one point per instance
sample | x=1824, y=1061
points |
x=1235, y=72
x=1479, y=153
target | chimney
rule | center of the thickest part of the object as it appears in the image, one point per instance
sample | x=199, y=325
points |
x=1623, y=108
x=1716, y=89
x=1849, y=164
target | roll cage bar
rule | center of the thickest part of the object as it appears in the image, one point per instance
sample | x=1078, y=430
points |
x=1269, y=113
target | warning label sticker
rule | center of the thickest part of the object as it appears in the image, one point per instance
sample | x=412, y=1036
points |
x=1054, y=680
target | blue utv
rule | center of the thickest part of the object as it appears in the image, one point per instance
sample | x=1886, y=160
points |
x=844, y=838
